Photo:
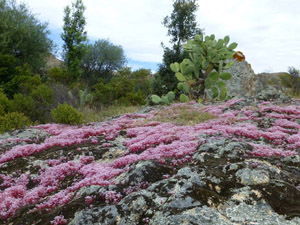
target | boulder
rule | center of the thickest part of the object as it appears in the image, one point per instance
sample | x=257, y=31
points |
x=243, y=82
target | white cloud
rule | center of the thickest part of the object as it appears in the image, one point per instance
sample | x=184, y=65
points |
x=266, y=30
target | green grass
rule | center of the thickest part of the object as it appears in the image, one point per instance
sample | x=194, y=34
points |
x=96, y=115
x=183, y=115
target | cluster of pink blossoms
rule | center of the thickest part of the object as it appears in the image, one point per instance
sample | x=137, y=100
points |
x=148, y=141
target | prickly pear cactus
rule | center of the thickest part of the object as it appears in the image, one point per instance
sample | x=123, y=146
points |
x=203, y=69
x=215, y=82
x=166, y=99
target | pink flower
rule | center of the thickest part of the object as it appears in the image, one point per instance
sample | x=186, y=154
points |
x=59, y=220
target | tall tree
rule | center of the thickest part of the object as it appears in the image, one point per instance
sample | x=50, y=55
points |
x=23, y=36
x=101, y=59
x=181, y=25
x=74, y=36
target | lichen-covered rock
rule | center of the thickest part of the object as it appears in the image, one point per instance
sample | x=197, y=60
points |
x=243, y=82
x=272, y=93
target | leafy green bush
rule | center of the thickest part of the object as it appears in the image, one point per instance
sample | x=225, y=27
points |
x=60, y=75
x=13, y=121
x=22, y=82
x=126, y=89
x=66, y=114
x=7, y=65
x=295, y=77
x=104, y=93
x=132, y=98
x=4, y=103
x=285, y=80
x=23, y=104
x=43, y=97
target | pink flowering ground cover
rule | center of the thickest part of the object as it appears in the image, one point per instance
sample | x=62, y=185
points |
x=68, y=163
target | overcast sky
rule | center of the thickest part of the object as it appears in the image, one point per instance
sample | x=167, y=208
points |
x=267, y=31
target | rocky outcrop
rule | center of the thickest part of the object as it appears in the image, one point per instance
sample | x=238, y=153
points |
x=52, y=61
x=243, y=82
x=241, y=167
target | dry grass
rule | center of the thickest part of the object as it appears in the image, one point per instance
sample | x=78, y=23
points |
x=183, y=115
x=94, y=115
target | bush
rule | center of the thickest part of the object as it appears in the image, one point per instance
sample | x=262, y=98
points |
x=285, y=80
x=43, y=97
x=60, y=75
x=66, y=114
x=4, y=103
x=128, y=88
x=104, y=93
x=295, y=78
x=62, y=94
x=22, y=82
x=23, y=104
x=132, y=98
x=13, y=121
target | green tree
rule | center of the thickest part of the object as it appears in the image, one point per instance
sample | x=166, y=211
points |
x=23, y=36
x=181, y=25
x=74, y=37
x=101, y=59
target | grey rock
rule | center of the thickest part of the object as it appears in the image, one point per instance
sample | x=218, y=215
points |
x=97, y=215
x=253, y=177
x=243, y=82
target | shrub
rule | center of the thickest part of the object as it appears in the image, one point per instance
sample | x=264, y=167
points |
x=22, y=82
x=4, y=103
x=43, y=97
x=60, y=75
x=62, y=94
x=13, y=121
x=295, y=77
x=66, y=114
x=104, y=93
x=126, y=89
x=285, y=80
x=23, y=104
x=132, y=98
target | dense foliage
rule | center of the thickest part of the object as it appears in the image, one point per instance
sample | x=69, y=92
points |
x=126, y=88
